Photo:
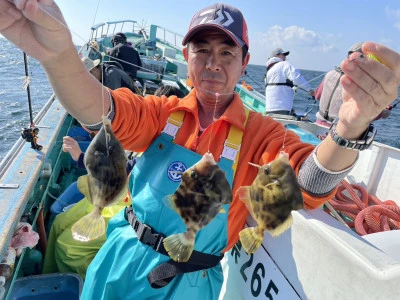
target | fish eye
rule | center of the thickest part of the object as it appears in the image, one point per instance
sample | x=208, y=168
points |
x=193, y=175
x=267, y=170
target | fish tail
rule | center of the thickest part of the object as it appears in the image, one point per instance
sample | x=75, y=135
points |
x=179, y=246
x=250, y=240
x=88, y=228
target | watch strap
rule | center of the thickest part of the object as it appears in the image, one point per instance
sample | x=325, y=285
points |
x=360, y=145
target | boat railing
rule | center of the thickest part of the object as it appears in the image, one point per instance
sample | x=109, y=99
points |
x=7, y=160
x=251, y=99
x=166, y=36
x=102, y=30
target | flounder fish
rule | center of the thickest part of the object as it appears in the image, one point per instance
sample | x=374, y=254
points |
x=198, y=199
x=270, y=199
x=105, y=184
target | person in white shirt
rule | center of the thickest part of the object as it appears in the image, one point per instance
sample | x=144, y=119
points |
x=280, y=78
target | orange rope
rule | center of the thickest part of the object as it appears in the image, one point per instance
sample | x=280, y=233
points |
x=365, y=212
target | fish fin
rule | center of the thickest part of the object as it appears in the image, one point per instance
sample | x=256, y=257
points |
x=179, y=247
x=83, y=186
x=88, y=228
x=250, y=240
x=120, y=198
x=169, y=202
x=282, y=228
x=275, y=182
x=244, y=194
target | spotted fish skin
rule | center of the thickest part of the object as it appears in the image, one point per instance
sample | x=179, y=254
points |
x=105, y=183
x=270, y=199
x=198, y=199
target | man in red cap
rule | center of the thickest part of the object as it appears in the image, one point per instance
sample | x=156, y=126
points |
x=174, y=134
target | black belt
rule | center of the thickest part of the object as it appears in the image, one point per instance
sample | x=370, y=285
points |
x=288, y=82
x=164, y=273
x=280, y=83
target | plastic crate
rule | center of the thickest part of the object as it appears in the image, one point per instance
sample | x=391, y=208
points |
x=67, y=286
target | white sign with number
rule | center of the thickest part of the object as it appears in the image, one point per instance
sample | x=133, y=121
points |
x=253, y=276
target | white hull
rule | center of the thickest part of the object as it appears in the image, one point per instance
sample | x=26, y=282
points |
x=320, y=258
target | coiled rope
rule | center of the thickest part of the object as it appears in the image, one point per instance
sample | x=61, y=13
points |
x=365, y=212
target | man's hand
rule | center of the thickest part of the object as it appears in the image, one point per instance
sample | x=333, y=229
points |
x=35, y=26
x=71, y=145
x=368, y=88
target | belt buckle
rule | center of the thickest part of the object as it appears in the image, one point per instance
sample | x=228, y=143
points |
x=145, y=235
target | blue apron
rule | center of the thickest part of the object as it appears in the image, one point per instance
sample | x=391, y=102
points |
x=120, y=268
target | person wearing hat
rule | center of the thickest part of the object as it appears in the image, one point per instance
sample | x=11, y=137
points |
x=174, y=133
x=114, y=77
x=280, y=78
x=329, y=93
x=125, y=54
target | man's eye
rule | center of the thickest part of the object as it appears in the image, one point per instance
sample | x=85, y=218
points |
x=227, y=53
x=200, y=51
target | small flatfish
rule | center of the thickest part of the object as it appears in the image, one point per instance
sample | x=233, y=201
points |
x=105, y=184
x=198, y=199
x=270, y=199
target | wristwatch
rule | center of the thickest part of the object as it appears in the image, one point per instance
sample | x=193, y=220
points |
x=360, y=145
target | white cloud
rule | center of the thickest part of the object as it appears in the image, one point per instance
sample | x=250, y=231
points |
x=293, y=37
x=394, y=16
x=392, y=13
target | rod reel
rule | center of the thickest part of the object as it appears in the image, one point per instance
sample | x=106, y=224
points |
x=30, y=135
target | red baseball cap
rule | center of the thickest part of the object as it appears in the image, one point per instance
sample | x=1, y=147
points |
x=222, y=16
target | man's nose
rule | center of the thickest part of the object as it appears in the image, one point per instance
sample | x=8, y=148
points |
x=213, y=62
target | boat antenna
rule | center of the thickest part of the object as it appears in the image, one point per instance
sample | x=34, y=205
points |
x=30, y=134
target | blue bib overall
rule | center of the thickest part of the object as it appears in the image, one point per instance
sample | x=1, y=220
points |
x=120, y=268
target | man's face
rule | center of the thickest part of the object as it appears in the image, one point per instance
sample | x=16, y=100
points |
x=282, y=56
x=215, y=64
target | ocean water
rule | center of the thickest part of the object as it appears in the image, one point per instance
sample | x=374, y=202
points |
x=14, y=109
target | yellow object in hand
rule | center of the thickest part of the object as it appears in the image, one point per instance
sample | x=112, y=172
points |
x=374, y=57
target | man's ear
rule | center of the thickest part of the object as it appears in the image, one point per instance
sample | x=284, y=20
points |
x=185, y=53
x=245, y=62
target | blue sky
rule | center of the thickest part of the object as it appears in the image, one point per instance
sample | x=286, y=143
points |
x=318, y=33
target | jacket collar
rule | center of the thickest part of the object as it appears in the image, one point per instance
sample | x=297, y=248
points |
x=234, y=113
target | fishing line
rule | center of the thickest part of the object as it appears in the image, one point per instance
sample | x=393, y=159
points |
x=255, y=82
x=217, y=95
x=95, y=14
x=212, y=124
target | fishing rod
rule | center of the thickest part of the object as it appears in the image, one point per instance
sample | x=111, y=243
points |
x=255, y=82
x=30, y=134
x=390, y=107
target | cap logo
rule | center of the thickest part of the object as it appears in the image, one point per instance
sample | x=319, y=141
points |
x=222, y=17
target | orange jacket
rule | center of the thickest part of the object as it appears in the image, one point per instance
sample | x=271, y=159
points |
x=138, y=121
